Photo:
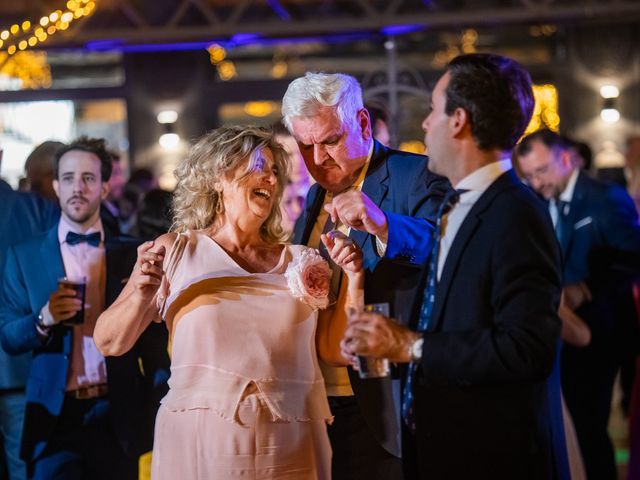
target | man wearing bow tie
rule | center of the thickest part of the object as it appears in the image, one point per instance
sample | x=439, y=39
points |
x=597, y=228
x=87, y=416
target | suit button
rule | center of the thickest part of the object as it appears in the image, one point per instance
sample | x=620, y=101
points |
x=66, y=357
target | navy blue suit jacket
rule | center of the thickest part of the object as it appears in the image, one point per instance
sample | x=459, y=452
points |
x=601, y=246
x=22, y=215
x=481, y=392
x=601, y=235
x=31, y=274
x=401, y=184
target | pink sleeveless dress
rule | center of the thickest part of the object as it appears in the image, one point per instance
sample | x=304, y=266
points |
x=246, y=396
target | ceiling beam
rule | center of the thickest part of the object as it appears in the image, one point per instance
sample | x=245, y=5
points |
x=577, y=12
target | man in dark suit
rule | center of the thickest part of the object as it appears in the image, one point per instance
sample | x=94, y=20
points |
x=476, y=402
x=370, y=189
x=597, y=227
x=22, y=215
x=86, y=416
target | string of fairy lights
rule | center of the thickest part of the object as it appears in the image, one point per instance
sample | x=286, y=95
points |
x=19, y=61
x=21, y=36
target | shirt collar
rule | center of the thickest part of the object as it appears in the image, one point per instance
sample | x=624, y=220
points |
x=567, y=193
x=480, y=179
x=357, y=185
x=65, y=227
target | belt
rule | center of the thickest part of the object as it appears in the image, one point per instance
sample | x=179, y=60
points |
x=92, y=391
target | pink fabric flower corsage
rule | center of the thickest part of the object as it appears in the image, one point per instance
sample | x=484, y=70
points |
x=308, y=277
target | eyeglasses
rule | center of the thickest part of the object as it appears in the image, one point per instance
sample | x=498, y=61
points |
x=538, y=172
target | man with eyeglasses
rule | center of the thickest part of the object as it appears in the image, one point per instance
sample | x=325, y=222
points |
x=597, y=227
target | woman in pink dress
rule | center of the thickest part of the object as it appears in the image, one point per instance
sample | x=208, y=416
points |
x=246, y=396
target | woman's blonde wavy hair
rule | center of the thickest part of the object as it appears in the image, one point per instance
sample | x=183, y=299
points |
x=216, y=154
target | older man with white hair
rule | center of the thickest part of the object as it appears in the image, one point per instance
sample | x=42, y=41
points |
x=365, y=190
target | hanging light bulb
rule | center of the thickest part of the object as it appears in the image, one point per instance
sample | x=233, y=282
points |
x=610, y=115
x=169, y=141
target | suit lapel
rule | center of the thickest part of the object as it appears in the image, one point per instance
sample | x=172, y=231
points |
x=375, y=186
x=575, y=206
x=51, y=256
x=118, y=262
x=315, y=199
x=461, y=240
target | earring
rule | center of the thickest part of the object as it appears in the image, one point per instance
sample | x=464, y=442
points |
x=219, y=204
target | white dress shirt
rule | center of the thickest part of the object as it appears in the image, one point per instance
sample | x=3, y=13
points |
x=565, y=196
x=87, y=366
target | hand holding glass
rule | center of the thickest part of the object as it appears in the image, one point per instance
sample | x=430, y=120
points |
x=371, y=367
x=80, y=286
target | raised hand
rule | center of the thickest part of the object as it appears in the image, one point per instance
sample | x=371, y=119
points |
x=147, y=273
x=355, y=210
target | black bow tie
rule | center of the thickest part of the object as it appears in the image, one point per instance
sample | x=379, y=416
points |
x=92, y=239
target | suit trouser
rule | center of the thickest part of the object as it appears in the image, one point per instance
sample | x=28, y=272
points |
x=587, y=390
x=357, y=455
x=11, y=419
x=84, y=446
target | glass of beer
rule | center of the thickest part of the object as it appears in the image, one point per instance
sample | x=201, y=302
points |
x=80, y=287
x=371, y=367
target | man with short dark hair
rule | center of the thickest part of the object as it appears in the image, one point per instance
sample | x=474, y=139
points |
x=476, y=400
x=597, y=227
x=86, y=416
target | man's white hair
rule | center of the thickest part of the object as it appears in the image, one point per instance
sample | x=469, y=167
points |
x=306, y=95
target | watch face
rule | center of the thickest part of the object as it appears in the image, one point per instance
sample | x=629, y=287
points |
x=416, y=349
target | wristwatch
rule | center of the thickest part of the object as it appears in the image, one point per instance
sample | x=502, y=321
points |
x=41, y=327
x=415, y=349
